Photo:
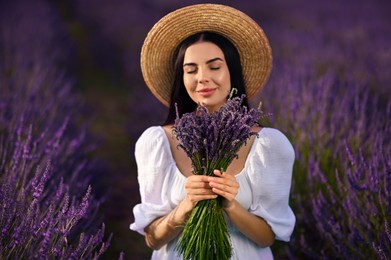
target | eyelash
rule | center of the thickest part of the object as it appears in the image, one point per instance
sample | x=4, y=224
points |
x=194, y=71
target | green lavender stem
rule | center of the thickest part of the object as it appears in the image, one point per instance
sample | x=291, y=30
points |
x=205, y=236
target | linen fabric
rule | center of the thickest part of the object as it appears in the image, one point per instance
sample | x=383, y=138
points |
x=265, y=183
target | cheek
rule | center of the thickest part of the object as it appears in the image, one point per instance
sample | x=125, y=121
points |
x=188, y=82
x=225, y=80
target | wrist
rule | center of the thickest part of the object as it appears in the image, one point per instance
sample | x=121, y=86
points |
x=229, y=206
x=186, y=206
x=181, y=213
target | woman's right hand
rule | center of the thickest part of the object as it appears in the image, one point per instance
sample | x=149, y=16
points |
x=164, y=229
x=197, y=189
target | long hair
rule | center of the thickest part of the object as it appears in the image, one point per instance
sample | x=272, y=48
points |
x=179, y=94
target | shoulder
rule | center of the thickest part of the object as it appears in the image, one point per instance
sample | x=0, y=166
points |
x=273, y=140
x=153, y=148
x=151, y=137
x=269, y=134
x=151, y=131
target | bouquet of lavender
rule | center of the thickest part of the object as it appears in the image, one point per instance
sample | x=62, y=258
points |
x=212, y=141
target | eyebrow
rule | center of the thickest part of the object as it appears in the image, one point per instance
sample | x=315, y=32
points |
x=209, y=61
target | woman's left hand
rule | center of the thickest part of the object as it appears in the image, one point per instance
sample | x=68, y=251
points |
x=224, y=185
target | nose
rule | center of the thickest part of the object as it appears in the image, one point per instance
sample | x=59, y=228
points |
x=203, y=76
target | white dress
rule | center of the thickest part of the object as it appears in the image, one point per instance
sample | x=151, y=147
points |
x=265, y=183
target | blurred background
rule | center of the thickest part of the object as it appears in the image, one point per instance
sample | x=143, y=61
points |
x=329, y=92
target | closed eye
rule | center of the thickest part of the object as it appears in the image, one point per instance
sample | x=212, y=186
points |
x=190, y=71
x=190, y=68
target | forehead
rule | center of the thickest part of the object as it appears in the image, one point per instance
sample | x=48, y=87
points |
x=203, y=51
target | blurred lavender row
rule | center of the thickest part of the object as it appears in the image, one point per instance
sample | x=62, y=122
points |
x=47, y=206
x=334, y=101
x=330, y=92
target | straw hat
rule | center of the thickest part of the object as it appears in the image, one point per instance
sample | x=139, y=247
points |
x=157, y=54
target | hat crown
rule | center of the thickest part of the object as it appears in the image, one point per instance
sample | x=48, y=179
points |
x=158, y=51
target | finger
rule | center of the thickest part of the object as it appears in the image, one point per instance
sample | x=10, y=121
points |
x=228, y=180
x=218, y=173
x=201, y=194
x=200, y=191
x=203, y=197
x=197, y=182
x=226, y=188
x=197, y=185
x=224, y=193
x=197, y=178
x=221, y=187
x=198, y=188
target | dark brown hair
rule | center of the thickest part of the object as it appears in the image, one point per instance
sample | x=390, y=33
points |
x=179, y=94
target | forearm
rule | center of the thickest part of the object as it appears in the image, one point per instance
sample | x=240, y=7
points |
x=164, y=229
x=252, y=226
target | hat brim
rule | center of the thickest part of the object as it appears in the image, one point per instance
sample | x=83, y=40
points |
x=157, y=53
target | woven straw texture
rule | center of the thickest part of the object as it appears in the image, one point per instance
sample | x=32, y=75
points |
x=157, y=54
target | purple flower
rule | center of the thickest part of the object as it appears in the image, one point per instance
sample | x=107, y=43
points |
x=212, y=141
x=44, y=152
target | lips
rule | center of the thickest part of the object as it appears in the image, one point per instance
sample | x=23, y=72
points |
x=206, y=91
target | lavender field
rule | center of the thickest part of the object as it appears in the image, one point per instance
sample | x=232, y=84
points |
x=73, y=103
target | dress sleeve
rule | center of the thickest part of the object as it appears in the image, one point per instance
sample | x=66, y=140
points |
x=270, y=178
x=154, y=165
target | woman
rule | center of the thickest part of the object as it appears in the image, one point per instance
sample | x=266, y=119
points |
x=196, y=55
